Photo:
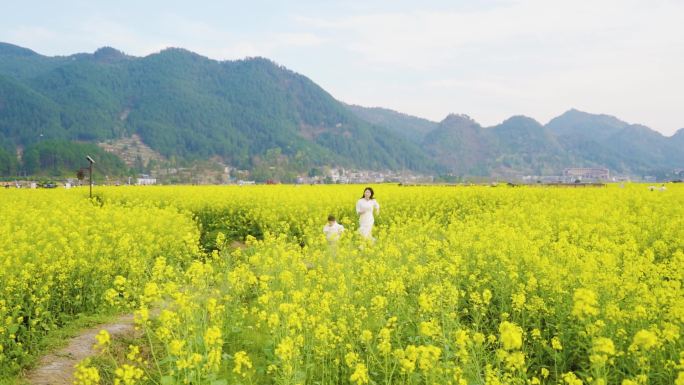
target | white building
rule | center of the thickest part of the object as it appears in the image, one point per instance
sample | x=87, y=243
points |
x=145, y=180
x=587, y=173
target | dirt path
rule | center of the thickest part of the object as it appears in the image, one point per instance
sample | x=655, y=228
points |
x=238, y=245
x=57, y=368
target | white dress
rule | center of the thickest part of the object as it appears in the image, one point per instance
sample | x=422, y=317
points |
x=365, y=210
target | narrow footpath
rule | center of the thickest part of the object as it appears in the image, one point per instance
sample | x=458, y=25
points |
x=57, y=368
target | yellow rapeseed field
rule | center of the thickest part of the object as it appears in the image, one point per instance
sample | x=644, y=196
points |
x=63, y=256
x=464, y=285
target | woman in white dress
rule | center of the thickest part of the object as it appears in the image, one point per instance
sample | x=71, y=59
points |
x=365, y=207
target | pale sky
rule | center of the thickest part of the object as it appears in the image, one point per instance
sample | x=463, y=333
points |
x=487, y=59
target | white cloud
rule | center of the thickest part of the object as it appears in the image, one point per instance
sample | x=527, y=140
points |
x=537, y=57
x=33, y=37
x=233, y=50
x=299, y=39
x=428, y=39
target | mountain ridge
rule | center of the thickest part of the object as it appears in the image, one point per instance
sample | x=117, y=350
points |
x=185, y=105
x=576, y=139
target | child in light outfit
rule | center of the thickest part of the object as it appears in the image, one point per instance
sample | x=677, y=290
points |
x=332, y=230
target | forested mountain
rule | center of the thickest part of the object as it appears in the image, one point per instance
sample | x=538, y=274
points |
x=520, y=145
x=578, y=124
x=461, y=145
x=525, y=145
x=253, y=114
x=188, y=106
x=622, y=147
x=407, y=126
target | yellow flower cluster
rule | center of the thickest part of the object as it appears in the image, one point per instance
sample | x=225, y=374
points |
x=103, y=339
x=86, y=375
x=241, y=360
x=511, y=336
x=601, y=351
x=128, y=375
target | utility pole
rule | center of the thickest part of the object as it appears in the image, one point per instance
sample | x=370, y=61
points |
x=90, y=169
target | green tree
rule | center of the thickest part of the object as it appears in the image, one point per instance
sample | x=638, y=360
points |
x=8, y=163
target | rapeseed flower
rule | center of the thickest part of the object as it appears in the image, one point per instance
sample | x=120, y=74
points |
x=241, y=360
x=644, y=340
x=602, y=349
x=429, y=328
x=585, y=303
x=286, y=349
x=86, y=375
x=103, y=339
x=128, y=375
x=511, y=335
x=556, y=343
x=360, y=375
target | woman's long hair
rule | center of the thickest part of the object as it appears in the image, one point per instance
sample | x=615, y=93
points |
x=369, y=189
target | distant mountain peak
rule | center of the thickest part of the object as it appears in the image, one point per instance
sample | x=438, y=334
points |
x=108, y=55
x=261, y=59
x=520, y=119
x=181, y=52
x=459, y=119
x=576, y=123
x=575, y=114
x=575, y=111
x=176, y=50
x=578, y=114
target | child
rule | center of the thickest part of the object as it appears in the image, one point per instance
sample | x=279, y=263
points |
x=333, y=229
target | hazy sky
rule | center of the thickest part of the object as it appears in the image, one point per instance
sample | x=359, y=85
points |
x=487, y=59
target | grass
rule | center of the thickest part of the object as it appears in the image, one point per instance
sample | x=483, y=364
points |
x=106, y=362
x=55, y=340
